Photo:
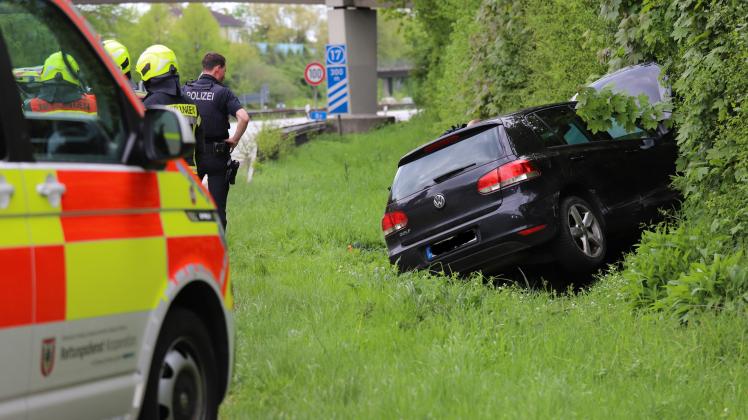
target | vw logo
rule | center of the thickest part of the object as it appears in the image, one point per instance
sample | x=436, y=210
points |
x=439, y=201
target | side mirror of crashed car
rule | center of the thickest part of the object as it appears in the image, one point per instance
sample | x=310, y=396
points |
x=166, y=135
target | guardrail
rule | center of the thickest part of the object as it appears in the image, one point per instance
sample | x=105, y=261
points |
x=302, y=132
x=287, y=112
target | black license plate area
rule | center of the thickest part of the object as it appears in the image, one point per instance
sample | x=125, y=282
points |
x=450, y=244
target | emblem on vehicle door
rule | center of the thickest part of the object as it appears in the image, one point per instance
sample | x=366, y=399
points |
x=48, y=356
x=439, y=201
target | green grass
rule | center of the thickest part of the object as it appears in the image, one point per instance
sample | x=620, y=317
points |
x=328, y=331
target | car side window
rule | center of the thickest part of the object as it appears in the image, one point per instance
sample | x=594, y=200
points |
x=563, y=123
x=70, y=102
x=618, y=132
x=547, y=136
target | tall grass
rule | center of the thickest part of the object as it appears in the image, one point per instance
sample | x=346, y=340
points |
x=327, y=329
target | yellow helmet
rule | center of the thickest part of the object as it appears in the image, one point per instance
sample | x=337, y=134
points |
x=27, y=74
x=155, y=61
x=56, y=68
x=119, y=53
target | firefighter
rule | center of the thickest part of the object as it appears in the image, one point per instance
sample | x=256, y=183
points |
x=121, y=57
x=216, y=102
x=159, y=71
x=60, y=88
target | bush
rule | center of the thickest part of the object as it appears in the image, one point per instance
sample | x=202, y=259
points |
x=272, y=144
x=488, y=57
x=698, y=262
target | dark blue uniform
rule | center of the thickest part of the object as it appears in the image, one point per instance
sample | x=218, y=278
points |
x=165, y=91
x=215, y=103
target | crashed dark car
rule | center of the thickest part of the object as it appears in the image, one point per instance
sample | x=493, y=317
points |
x=532, y=186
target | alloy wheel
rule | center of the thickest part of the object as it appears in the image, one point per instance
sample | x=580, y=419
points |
x=585, y=230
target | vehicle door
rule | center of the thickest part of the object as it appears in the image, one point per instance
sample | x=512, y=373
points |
x=16, y=280
x=603, y=167
x=98, y=246
x=651, y=161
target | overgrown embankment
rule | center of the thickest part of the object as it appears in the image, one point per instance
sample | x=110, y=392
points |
x=494, y=56
x=327, y=329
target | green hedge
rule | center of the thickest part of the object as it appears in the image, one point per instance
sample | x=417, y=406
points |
x=479, y=58
x=698, y=260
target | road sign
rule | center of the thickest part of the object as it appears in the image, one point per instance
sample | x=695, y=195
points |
x=314, y=73
x=335, y=54
x=318, y=115
x=337, y=79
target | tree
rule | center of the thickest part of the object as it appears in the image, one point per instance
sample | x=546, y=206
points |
x=110, y=21
x=153, y=27
x=280, y=24
x=195, y=34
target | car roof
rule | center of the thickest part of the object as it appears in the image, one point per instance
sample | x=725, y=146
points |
x=635, y=80
x=464, y=132
x=476, y=128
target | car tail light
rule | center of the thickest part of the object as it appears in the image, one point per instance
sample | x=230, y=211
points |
x=394, y=221
x=506, y=175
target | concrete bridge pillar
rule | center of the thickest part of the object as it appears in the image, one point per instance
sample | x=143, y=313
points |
x=357, y=28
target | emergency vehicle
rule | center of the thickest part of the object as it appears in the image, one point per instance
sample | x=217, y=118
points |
x=115, y=300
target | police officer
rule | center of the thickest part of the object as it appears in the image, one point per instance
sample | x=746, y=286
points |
x=159, y=71
x=216, y=102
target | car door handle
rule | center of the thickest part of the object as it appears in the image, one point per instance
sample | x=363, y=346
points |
x=647, y=144
x=6, y=193
x=51, y=189
x=631, y=151
x=577, y=157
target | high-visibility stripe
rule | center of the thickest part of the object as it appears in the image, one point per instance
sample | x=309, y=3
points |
x=109, y=190
x=13, y=232
x=17, y=287
x=206, y=250
x=49, y=274
x=46, y=230
x=84, y=105
x=115, y=226
x=179, y=191
x=177, y=223
x=113, y=277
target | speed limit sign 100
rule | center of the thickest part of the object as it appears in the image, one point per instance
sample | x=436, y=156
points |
x=314, y=73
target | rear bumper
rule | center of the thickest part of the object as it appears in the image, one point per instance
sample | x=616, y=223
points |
x=498, y=241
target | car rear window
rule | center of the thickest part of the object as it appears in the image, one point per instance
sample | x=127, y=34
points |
x=472, y=152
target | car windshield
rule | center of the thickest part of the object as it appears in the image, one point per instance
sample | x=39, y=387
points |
x=447, y=162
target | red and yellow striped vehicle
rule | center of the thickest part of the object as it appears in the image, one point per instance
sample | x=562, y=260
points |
x=115, y=300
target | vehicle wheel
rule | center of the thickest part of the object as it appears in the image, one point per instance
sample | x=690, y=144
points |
x=581, y=243
x=182, y=382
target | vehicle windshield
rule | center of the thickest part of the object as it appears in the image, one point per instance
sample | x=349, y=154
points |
x=451, y=161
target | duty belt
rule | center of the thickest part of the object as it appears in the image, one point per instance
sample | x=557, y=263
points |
x=213, y=147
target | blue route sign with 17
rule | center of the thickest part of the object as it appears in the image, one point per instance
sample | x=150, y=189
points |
x=335, y=54
x=338, y=98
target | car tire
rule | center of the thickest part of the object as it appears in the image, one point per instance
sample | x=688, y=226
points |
x=182, y=382
x=581, y=244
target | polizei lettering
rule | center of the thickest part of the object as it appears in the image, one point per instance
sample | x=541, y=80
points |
x=72, y=352
x=201, y=96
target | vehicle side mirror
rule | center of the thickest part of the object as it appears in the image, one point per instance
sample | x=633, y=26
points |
x=166, y=134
